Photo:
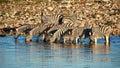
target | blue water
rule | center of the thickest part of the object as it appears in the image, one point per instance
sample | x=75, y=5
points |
x=51, y=55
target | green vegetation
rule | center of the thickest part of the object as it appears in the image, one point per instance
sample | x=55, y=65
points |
x=2, y=1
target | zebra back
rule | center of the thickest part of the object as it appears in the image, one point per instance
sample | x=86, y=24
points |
x=55, y=27
x=70, y=19
x=54, y=18
x=35, y=31
x=34, y=25
x=59, y=33
x=102, y=30
x=78, y=32
x=64, y=25
x=39, y=29
x=22, y=28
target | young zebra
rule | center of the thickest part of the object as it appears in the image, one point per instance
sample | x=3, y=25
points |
x=24, y=29
x=21, y=29
x=101, y=31
x=53, y=18
x=37, y=31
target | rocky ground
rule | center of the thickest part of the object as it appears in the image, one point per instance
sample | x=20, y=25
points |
x=14, y=13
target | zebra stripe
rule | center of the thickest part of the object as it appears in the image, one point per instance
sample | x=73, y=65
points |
x=26, y=28
x=70, y=19
x=33, y=32
x=57, y=35
x=64, y=25
x=37, y=31
x=21, y=29
x=101, y=31
x=54, y=18
x=77, y=33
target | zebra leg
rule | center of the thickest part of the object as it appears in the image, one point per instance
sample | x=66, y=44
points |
x=95, y=40
x=16, y=35
x=76, y=40
x=71, y=40
x=107, y=40
x=65, y=40
x=81, y=40
x=44, y=38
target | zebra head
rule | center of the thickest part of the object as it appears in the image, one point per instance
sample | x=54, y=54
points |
x=47, y=37
x=28, y=38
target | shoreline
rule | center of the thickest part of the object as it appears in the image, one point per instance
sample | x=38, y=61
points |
x=13, y=14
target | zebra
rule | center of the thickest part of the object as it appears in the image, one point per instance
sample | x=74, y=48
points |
x=53, y=18
x=67, y=36
x=75, y=34
x=21, y=29
x=58, y=34
x=37, y=31
x=53, y=29
x=61, y=30
x=25, y=29
x=101, y=31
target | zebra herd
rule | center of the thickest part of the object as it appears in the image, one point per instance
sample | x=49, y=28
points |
x=57, y=26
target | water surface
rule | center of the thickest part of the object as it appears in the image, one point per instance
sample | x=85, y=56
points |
x=51, y=55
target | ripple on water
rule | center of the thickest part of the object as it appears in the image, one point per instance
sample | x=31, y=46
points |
x=52, y=55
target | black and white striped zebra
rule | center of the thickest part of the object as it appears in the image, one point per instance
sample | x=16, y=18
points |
x=101, y=31
x=21, y=29
x=58, y=34
x=24, y=29
x=39, y=30
x=77, y=33
x=60, y=29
